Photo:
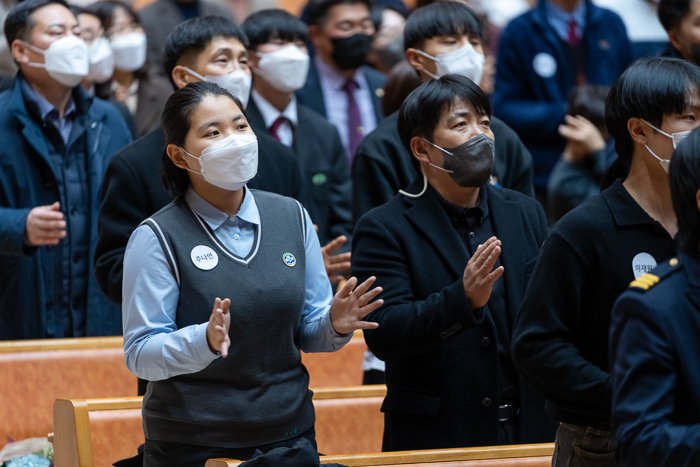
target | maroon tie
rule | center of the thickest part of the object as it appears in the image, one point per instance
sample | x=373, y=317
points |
x=355, y=129
x=275, y=126
x=574, y=38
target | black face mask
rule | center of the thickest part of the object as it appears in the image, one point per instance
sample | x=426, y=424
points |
x=351, y=52
x=469, y=164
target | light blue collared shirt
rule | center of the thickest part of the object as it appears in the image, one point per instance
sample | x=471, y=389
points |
x=336, y=100
x=155, y=348
x=559, y=19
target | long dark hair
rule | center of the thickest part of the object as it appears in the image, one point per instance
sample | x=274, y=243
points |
x=684, y=178
x=175, y=122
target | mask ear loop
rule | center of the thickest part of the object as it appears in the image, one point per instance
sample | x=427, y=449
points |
x=425, y=187
x=431, y=58
x=191, y=155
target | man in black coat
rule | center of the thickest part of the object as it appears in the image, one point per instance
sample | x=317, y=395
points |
x=382, y=166
x=132, y=190
x=444, y=329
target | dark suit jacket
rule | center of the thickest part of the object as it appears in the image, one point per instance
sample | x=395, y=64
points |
x=382, y=166
x=654, y=350
x=442, y=375
x=311, y=95
x=324, y=167
x=132, y=191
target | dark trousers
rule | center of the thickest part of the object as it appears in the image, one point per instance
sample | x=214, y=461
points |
x=583, y=446
x=166, y=453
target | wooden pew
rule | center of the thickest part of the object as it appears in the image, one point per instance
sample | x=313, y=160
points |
x=335, y=369
x=36, y=372
x=98, y=432
x=526, y=455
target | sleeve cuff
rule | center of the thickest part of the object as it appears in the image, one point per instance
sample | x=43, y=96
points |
x=201, y=347
x=335, y=340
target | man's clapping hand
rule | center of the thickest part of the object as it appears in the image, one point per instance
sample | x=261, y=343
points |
x=45, y=225
x=479, y=274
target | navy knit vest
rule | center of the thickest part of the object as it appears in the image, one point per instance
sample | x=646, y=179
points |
x=260, y=393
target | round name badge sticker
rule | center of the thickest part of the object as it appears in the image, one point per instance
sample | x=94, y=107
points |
x=642, y=264
x=545, y=65
x=204, y=257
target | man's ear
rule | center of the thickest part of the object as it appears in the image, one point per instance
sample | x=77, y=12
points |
x=315, y=34
x=253, y=59
x=674, y=39
x=182, y=77
x=638, y=130
x=414, y=59
x=176, y=154
x=419, y=148
x=19, y=52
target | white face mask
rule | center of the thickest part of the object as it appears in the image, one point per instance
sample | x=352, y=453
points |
x=229, y=163
x=66, y=60
x=676, y=137
x=237, y=83
x=464, y=61
x=285, y=69
x=129, y=51
x=101, y=61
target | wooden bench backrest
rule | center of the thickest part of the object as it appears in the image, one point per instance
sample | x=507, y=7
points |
x=36, y=372
x=337, y=369
x=99, y=432
x=526, y=455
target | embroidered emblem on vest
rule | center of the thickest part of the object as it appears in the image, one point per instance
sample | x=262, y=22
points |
x=289, y=260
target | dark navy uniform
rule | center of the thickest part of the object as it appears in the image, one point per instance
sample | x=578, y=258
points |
x=655, y=359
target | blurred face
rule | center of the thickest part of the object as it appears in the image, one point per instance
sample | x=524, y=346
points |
x=342, y=21
x=392, y=27
x=441, y=45
x=686, y=38
x=456, y=126
x=215, y=118
x=51, y=23
x=273, y=46
x=123, y=24
x=90, y=28
x=221, y=57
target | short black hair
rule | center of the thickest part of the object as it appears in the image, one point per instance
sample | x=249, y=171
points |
x=266, y=25
x=588, y=101
x=194, y=35
x=19, y=22
x=175, y=123
x=317, y=10
x=649, y=89
x=671, y=12
x=684, y=178
x=440, y=19
x=106, y=10
x=420, y=113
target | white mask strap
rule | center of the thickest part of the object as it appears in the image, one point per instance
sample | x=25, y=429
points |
x=435, y=145
x=425, y=187
x=427, y=56
x=191, y=155
x=660, y=131
x=196, y=75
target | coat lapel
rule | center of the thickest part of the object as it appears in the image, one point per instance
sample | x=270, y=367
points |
x=429, y=217
x=508, y=227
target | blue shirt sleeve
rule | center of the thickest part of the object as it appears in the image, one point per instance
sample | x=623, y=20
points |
x=315, y=332
x=154, y=348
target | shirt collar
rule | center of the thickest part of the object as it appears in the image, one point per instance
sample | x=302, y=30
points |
x=480, y=211
x=329, y=75
x=270, y=114
x=557, y=13
x=45, y=107
x=215, y=218
x=624, y=209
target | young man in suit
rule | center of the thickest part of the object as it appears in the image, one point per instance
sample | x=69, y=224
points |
x=432, y=35
x=213, y=48
x=453, y=254
x=279, y=61
x=340, y=86
x=542, y=56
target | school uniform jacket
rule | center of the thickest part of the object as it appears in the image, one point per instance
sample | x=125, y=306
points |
x=441, y=356
x=325, y=174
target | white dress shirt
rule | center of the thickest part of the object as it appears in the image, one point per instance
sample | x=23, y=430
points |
x=270, y=114
x=336, y=100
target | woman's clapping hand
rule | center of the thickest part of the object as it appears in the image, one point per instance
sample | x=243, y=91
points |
x=217, y=329
x=350, y=305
